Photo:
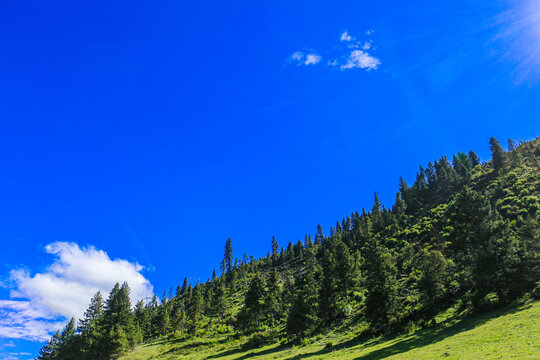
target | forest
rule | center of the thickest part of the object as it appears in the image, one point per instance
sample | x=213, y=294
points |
x=465, y=232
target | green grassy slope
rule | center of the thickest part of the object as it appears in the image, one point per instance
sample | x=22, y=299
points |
x=508, y=333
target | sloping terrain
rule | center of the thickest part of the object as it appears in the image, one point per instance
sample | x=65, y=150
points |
x=509, y=333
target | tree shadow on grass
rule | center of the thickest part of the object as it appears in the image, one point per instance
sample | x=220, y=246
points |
x=417, y=340
x=251, y=352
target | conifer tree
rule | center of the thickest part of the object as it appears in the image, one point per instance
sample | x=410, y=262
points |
x=195, y=310
x=185, y=286
x=218, y=303
x=227, y=263
x=307, y=241
x=497, y=154
x=319, y=237
x=302, y=315
x=163, y=320
x=272, y=296
x=250, y=314
x=289, y=253
x=50, y=350
x=68, y=347
x=118, y=321
x=90, y=328
x=327, y=295
x=275, y=249
x=142, y=317
x=475, y=160
x=179, y=319
x=432, y=267
x=298, y=250
x=381, y=286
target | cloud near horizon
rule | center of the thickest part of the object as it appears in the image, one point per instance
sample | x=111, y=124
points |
x=40, y=304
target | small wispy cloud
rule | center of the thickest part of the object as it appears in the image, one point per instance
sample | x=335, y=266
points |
x=362, y=60
x=353, y=53
x=346, y=37
x=297, y=56
x=42, y=302
x=300, y=58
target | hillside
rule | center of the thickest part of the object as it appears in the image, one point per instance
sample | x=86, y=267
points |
x=510, y=333
x=462, y=239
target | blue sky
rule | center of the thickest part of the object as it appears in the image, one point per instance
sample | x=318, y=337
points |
x=138, y=136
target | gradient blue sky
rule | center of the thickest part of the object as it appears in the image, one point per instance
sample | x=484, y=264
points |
x=156, y=130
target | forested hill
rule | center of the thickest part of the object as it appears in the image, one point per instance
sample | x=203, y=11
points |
x=464, y=235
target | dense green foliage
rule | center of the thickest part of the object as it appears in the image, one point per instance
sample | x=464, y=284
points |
x=464, y=233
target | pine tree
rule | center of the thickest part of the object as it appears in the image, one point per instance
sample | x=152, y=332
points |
x=289, y=253
x=344, y=270
x=163, y=322
x=142, y=316
x=497, y=154
x=319, y=237
x=50, y=350
x=327, y=294
x=432, y=267
x=298, y=249
x=90, y=328
x=301, y=315
x=272, y=296
x=179, y=319
x=118, y=321
x=337, y=279
x=250, y=314
x=195, y=310
x=227, y=263
x=68, y=348
x=118, y=342
x=381, y=286
x=275, y=249
x=218, y=303
x=185, y=286
x=475, y=160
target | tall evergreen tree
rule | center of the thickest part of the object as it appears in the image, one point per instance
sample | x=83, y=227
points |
x=69, y=348
x=272, y=296
x=91, y=330
x=50, y=350
x=118, y=321
x=275, y=250
x=475, y=160
x=497, y=154
x=250, y=315
x=319, y=237
x=381, y=286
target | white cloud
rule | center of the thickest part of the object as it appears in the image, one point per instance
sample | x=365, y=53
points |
x=312, y=59
x=297, y=56
x=41, y=303
x=346, y=37
x=362, y=60
x=350, y=53
x=300, y=58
